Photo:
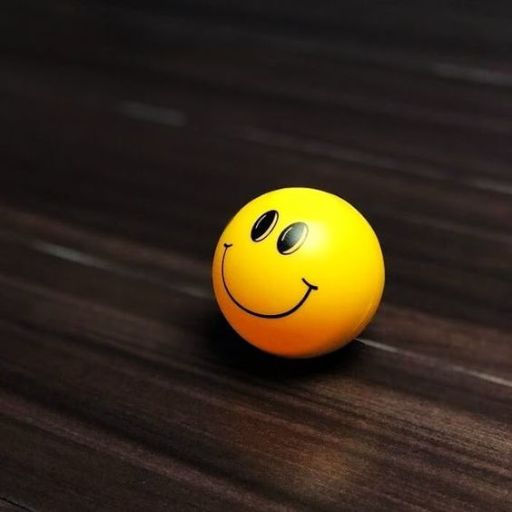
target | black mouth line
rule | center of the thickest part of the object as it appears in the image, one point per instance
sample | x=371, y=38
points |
x=310, y=286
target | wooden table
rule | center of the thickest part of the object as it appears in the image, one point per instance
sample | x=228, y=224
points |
x=130, y=136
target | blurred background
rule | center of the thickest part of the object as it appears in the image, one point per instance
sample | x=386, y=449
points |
x=157, y=120
x=132, y=131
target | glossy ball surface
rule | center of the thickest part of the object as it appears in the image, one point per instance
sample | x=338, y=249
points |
x=298, y=272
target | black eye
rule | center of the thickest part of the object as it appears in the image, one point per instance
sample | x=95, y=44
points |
x=264, y=225
x=292, y=237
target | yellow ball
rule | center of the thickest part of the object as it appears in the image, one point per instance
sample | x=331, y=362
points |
x=298, y=272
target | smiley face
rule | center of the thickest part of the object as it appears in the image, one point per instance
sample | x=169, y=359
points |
x=289, y=241
x=298, y=272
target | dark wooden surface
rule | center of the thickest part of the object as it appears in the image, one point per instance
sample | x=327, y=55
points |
x=128, y=138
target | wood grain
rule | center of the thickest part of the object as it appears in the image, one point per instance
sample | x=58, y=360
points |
x=130, y=135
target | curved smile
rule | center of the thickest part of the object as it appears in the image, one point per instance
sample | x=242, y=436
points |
x=310, y=287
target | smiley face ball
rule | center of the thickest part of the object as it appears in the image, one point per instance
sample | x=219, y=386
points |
x=298, y=272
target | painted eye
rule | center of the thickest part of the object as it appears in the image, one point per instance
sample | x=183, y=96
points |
x=264, y=225
x=292, y=238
